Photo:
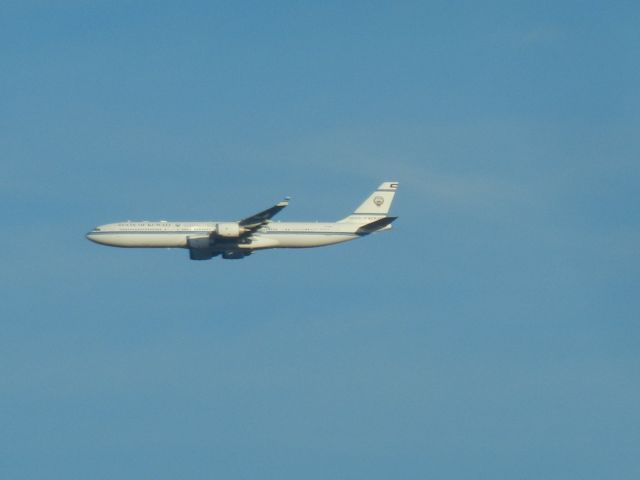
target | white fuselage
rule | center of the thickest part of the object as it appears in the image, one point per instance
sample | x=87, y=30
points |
x=237, y=239
x=165, y=234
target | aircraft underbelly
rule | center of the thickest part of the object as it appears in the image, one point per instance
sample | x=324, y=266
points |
x=132, y=240
x=309, y=240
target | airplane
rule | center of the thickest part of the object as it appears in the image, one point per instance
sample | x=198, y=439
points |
x=236, y=240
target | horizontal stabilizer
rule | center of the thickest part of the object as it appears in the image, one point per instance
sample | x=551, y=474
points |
x=375, y=226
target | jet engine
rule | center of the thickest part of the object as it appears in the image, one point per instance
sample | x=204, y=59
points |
x=199, y=242
x=229, y=229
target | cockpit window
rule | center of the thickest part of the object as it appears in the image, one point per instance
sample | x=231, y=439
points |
x=97, y=229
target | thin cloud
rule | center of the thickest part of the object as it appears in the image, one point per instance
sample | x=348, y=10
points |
x=541, y=36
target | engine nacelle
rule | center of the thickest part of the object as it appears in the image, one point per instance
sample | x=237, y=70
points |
x=229, y=229
x=199, y=242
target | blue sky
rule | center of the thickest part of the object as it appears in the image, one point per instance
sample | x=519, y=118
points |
x=493, y=334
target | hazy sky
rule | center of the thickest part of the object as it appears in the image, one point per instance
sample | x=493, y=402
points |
x=493, y=334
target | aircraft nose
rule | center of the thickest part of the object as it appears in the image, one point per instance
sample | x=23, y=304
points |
x=90, y=236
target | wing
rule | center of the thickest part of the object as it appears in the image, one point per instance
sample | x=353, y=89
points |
x=256, y=221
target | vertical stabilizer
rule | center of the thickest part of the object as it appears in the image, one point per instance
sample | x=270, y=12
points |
x=376, y=206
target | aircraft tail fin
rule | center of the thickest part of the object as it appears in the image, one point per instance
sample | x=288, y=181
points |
x=376, y=206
